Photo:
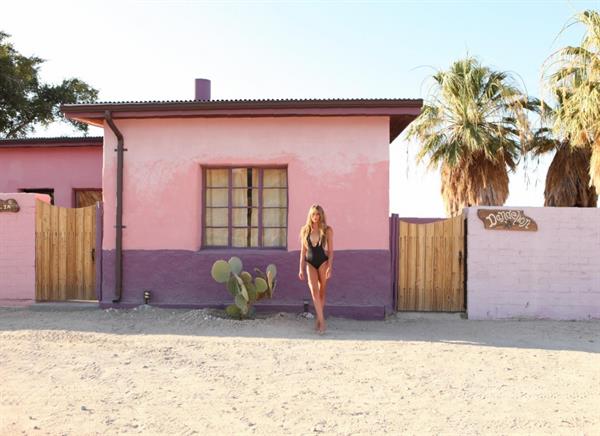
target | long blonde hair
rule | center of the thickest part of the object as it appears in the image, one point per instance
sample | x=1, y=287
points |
x=306, y=229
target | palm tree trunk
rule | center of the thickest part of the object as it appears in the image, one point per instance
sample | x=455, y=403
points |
x=474, y=181
x=595, y=165
x=568, y=178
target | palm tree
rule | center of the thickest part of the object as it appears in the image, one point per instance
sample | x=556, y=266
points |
x=470, y=126
x=568, y=177
x=576, y=82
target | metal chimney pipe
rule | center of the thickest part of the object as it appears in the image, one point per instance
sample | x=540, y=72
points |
x=202, y=89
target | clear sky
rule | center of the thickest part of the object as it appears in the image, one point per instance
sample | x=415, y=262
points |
x=153, y=50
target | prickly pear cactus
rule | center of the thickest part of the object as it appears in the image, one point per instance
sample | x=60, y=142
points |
x=244, y=288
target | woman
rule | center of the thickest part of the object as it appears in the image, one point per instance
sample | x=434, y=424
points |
x=316, y=256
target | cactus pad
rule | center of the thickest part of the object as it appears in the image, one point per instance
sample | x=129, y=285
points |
x=236, y=265
x=241, y=303
x=232, y=286
x=233, y=311
x=273, y=269
x=261, y=285
x=246, y=277
x=220, y=271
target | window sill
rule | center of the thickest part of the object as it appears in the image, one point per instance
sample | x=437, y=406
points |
x=241, y=251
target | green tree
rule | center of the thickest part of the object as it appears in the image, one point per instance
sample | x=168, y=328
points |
x=471, y=125
x=25, y=101
x=576, y=81
x=568, y=176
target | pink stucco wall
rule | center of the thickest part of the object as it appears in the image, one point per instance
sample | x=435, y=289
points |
x=552, y=273
x=339, y=162
x=17, y=248
x=60, y=168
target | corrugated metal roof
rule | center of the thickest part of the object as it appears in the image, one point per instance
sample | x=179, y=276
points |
x=262, y=100
x=54, y=141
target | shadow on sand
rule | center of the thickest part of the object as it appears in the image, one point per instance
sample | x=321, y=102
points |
x=435, y=328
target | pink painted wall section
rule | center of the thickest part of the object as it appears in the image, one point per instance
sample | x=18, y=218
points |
x=60, y=168
x=553, y=273
x=339, y=162
x=17, y=248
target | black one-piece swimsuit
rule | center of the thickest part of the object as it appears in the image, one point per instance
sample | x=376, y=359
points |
x=315, y=255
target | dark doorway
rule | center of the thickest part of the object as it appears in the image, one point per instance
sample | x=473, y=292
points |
x=48, y=191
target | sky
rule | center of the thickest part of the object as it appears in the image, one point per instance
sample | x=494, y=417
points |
x=153, y=50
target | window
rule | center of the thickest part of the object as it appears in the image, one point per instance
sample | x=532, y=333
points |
x=245, y=207
x=87, y=197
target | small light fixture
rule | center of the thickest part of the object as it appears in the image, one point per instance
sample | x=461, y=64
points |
x=305, y=306
x=146, y=297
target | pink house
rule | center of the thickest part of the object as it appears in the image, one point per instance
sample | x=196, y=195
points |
x=190, y=182
x=67, y=169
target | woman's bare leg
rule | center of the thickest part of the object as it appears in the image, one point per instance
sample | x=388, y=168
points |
x=323, y=291
x=313, y=284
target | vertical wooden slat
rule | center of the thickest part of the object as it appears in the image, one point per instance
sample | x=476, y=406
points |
x=459, y=263
x=451, y=291
x=90, y=293
x=429, y=297
x=412, y=265
x=419, y=253
x=62, y=253
x=438, y=268
x=52, y=260
x=85, y=254
x=79, y=265
x=402, y=259
x=447, y=253
x=46, y=252
x=50, y=243
x=401, y=275
x=71, y=249
x=406, y=241
x=413, y=259
x=94, y=227
x=438, y=289
x=40, y=250
x=38, y=244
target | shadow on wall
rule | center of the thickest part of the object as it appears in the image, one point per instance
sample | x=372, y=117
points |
x=404, y=327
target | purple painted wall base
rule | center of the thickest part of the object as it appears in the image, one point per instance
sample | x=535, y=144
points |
x=359, y=288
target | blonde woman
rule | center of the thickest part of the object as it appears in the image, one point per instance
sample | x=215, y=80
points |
x=316, y=257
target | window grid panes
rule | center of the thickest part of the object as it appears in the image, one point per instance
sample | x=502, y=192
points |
x=245, y=207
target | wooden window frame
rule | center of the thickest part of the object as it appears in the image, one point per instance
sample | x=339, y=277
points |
x=230, y=206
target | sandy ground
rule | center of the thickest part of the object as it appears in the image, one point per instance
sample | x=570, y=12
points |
x=152, y=371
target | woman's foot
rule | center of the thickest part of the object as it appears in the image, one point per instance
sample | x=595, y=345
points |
x=317, y=325
x=322, y=327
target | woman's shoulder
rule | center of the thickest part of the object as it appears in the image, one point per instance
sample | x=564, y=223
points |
x=329, y=230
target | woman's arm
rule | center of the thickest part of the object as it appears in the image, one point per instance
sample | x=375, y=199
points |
x=329, y=251
x=302, y=262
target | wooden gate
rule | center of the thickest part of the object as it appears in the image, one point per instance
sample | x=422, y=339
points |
x=65, y=242
x=430, y=266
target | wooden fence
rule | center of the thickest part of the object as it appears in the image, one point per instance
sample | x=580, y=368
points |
x=429, y=264
x=65, y=242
